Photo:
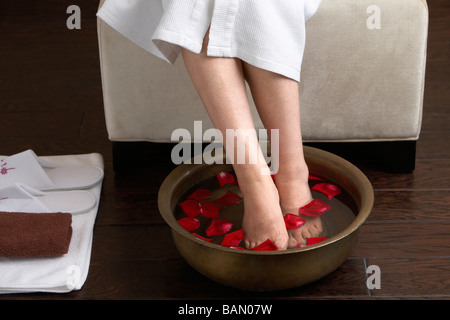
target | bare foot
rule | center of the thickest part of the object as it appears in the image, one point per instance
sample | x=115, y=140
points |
x=295, y=193
x=263, y=218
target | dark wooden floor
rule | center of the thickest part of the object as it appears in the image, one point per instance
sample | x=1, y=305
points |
x=51, y=102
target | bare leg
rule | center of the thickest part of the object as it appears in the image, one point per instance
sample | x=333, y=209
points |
x=277, y=100
x=221, y=86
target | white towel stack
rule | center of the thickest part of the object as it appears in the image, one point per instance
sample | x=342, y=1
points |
x=67, y=272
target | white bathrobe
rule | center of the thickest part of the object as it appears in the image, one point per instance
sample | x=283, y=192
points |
x=269, y=34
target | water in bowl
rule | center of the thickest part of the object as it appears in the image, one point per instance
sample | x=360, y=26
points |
x=342, y=213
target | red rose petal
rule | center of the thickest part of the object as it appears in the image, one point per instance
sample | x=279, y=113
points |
x=233, y=239
x=203, y=238
x=225, y=178
x=190, y=207
x=315, y=208
x=189, y=224
x=328, y=189
x=218, y=227
x=209, y=210
x=293, y=221
x=311, y=241
x=310, y=177
x=228, y=199
x=266, y=246
x=200, y=195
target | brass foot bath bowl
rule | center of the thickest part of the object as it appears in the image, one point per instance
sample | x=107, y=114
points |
x=271, y=270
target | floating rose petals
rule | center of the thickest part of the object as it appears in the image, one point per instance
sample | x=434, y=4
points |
x=266, y=246
x=192, y=208
x=293, y=221
x=228, y=199
x=233, y=239
x=225, y=178
x=218, y=227
x=209, y=210
x=200, y=195
x=311, y=177
x=328, y=189
x=202, y=238
x=189, y=224
x=315, y=208
x=311, y=241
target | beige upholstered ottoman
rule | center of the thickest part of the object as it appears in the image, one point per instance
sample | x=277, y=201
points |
x=362, y=82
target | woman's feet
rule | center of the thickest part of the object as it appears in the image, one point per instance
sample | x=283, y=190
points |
x=263, y=218
x=295, y=193
x=266, y=204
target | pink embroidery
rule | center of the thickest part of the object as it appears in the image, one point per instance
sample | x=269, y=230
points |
x=3, y=169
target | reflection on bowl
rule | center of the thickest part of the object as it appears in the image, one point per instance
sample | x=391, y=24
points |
x=272, y=270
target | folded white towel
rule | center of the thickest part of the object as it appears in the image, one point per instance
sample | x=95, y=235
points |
x=63, y=273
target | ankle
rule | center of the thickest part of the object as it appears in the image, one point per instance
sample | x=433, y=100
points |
x=255, y=179
x=293, y=188
x=296, y=171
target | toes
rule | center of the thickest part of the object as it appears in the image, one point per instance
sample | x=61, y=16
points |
x=306, y=234
x=293, y=243
x=319, y=231
x=296, y=238
x=248, y=245
x=281, y=245
x=320, y=228
x=301, y=239
x=316, y=230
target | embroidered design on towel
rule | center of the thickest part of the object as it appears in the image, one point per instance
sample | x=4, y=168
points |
x=3, y=169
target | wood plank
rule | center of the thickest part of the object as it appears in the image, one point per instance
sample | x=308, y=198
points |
x=411, y=206
x=436, y=94
x=46, y=146
x=436, y=120
x=129, y=207
x=349, y=280
x=413, y=277
x=438, y=70
x=175, y=279
x=435, y=145
x=383, y=240
x=438, y=50
x=114, y=244
x=429, y=174
x=438, y=27
x=60, y=124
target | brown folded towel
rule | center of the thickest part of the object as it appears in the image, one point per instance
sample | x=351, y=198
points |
x=34, y=234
